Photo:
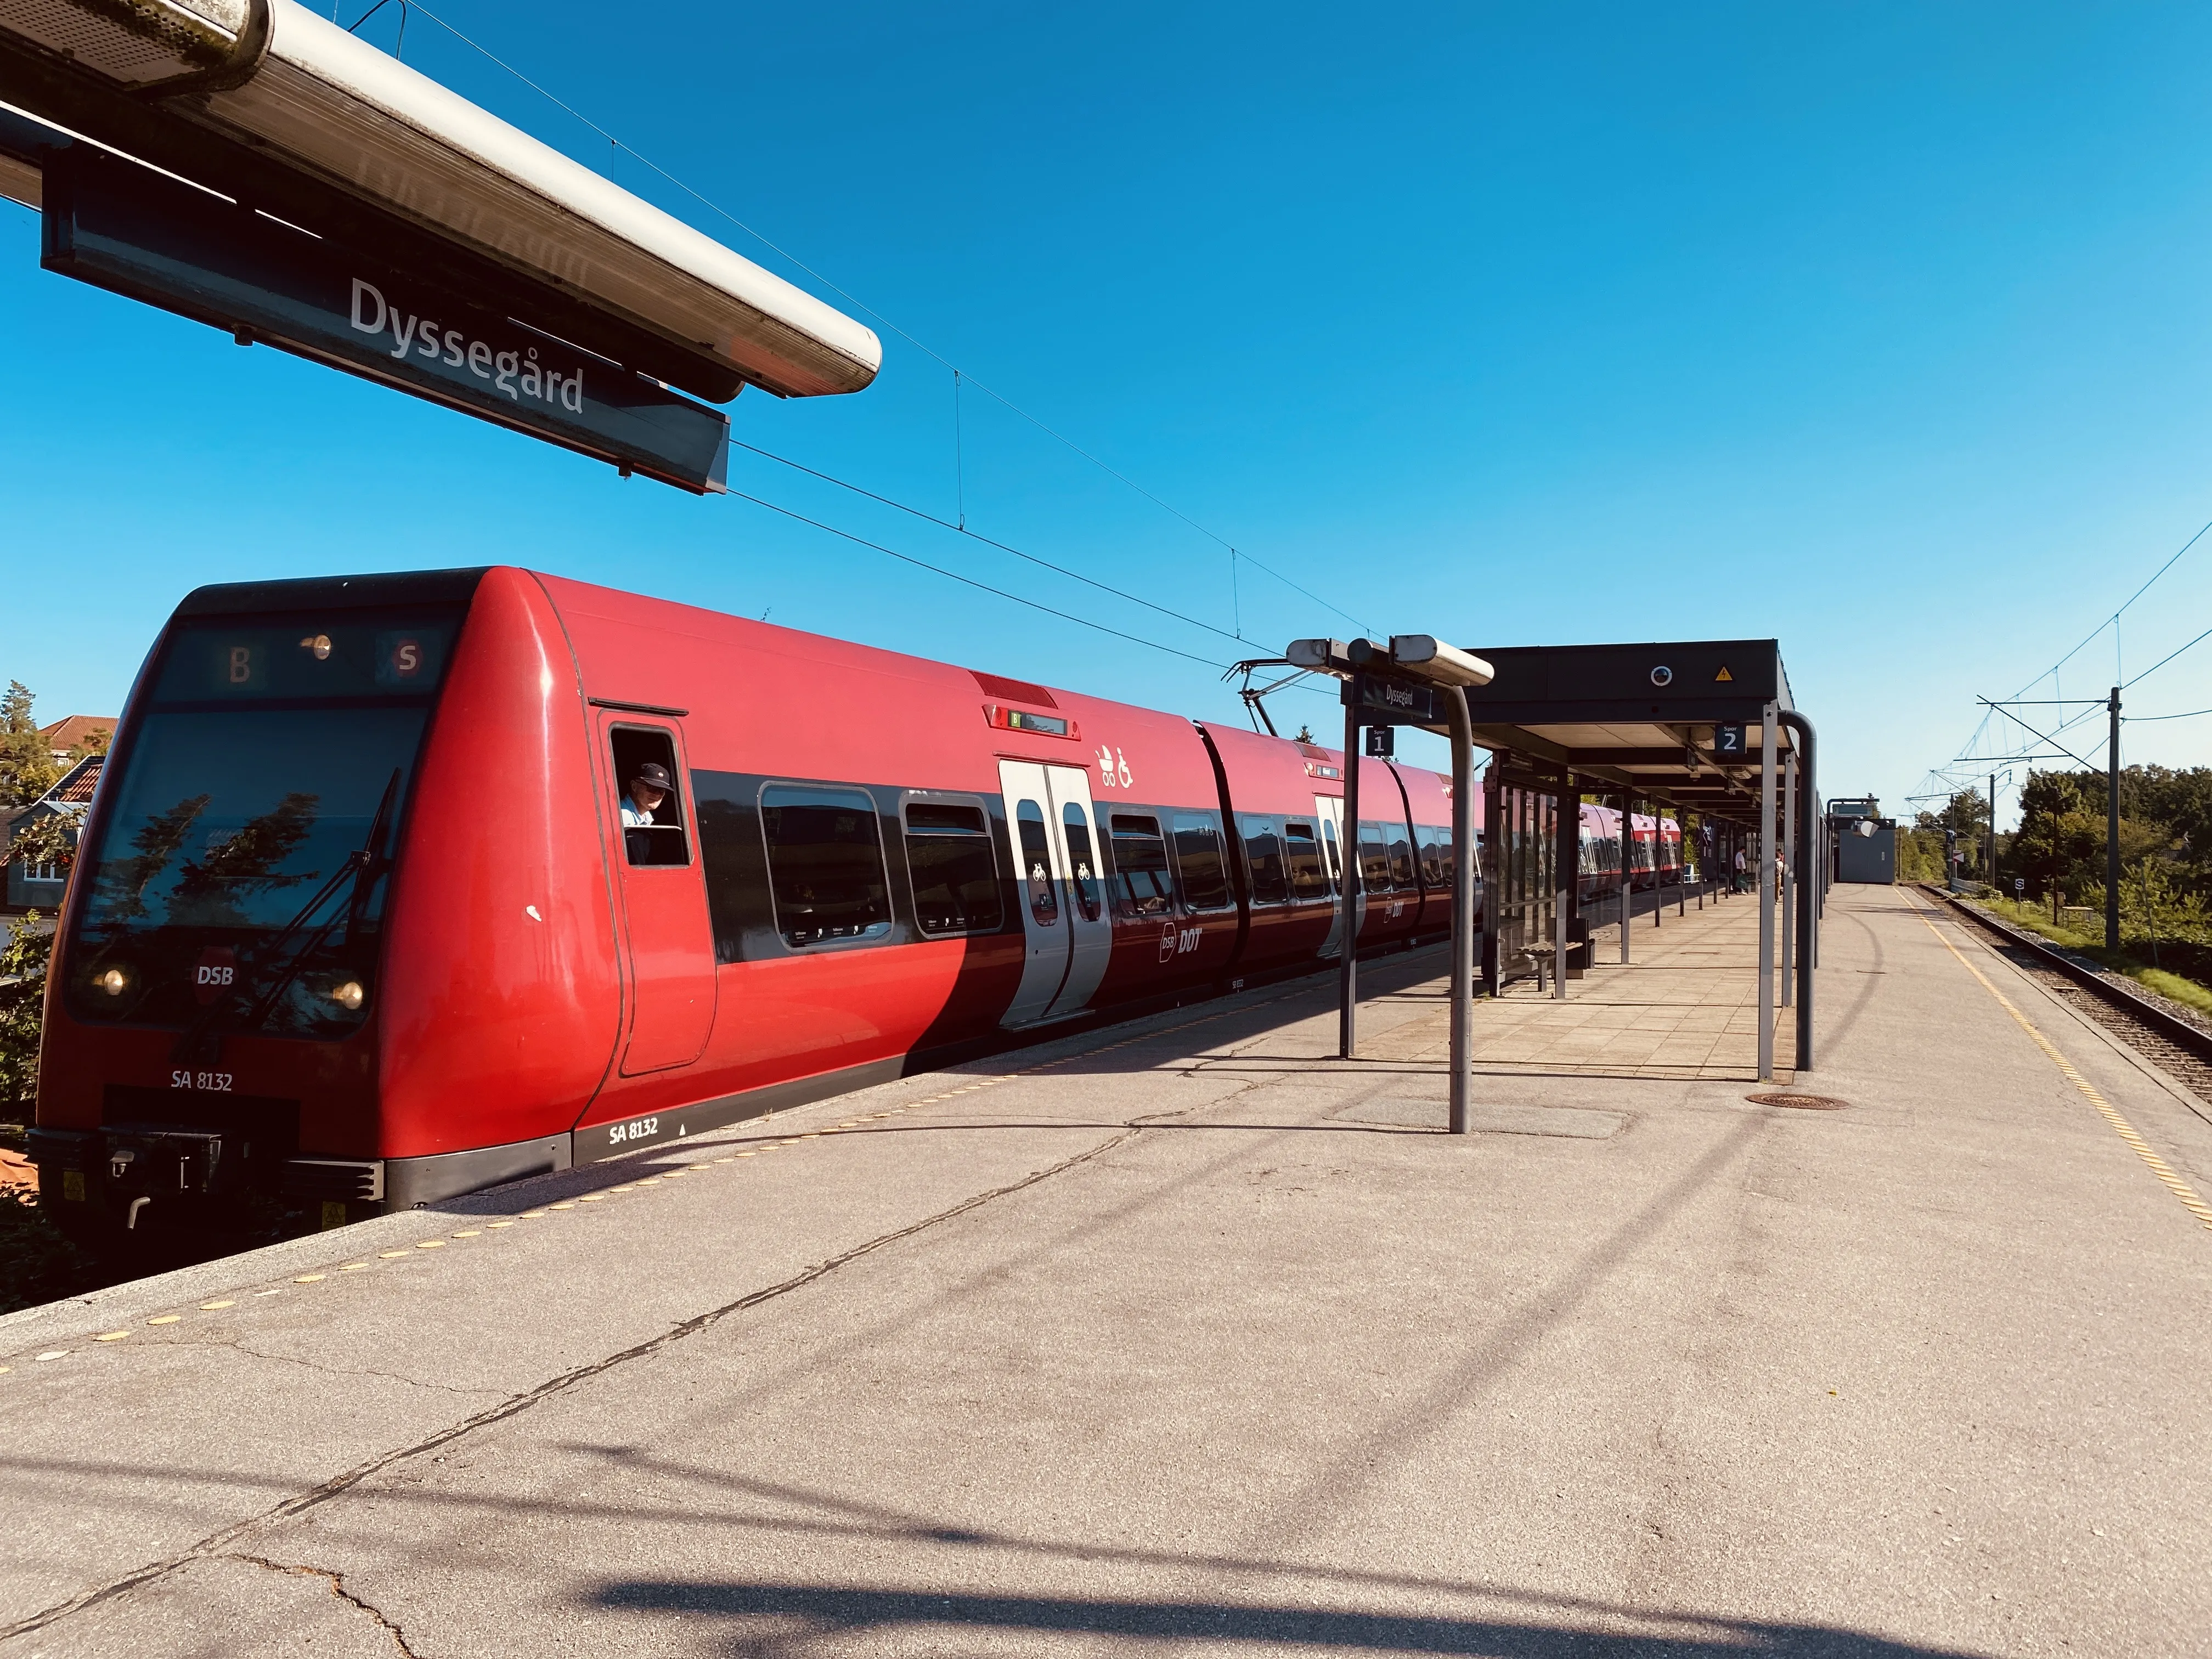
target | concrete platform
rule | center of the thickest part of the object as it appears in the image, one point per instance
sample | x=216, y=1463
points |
x=1182, y=1337
x=1685, y=1004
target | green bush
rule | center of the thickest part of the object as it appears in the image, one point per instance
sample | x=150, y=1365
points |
x=22, y=996
x=38, y=1263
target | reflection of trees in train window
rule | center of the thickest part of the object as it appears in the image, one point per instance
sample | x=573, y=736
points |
x=217, y=889
x=1302, y=851
x=954, y=872
x=825, y=862
x=1144, y=885
x=1263, y=858
x=1435, y=857
x=1199, y=859
x=1374, y=859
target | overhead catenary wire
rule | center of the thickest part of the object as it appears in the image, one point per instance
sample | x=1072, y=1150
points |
x=2169, y=657
x=2112, y=619
x=2090, y=709
x=784, y=253
x=970, y=581
x=962, y=529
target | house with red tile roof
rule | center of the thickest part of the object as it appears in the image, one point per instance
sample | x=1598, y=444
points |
x=77, y=731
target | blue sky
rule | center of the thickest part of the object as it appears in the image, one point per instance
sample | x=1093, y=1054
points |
x=1881, y=331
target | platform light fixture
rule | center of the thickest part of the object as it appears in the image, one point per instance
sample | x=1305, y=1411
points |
x=1425, y=657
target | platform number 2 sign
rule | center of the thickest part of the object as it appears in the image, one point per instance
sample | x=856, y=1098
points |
x=1727, y=740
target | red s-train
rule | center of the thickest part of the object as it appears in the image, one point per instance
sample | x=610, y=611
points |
x=359, y=918
x=1655, y=856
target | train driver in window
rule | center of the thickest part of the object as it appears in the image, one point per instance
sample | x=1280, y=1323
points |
x=647, y=789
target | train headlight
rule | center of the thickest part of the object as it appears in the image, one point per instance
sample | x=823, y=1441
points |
x=319, y=644
x=347, y=995
x=114, y=981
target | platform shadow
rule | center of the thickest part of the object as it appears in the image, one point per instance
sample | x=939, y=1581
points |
x=789, y=1619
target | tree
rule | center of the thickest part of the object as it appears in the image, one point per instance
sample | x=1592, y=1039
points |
x=1966, y=815
x=22, y=997
x=27, y=764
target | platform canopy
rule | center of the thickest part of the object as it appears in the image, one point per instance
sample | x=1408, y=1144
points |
x=275, y=109
x=1679, y=723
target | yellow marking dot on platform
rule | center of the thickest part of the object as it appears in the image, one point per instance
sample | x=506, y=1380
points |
x=278, y=1291
x=569, y=1206
x=850, y=1123
x=741, y=1154
x=531, y=1215
x=51, y=1353
x=4, y=1369
x=391, y=1255
x=673, y=1175
x=311, y=1279
x=430, y=1244
x=210, y=1307
x=165, y=1319
x=811, y=1134
x=588, y=1198
x=725, y=1160
x=470, y=1232
x=627, y=1188
x=499, y=1224
x=647, y=1181
x=111, y=1336
x=353, y=1266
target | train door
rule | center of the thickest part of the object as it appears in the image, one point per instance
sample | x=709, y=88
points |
x=668, y=944
x=1330, y=811
x=1069, y=934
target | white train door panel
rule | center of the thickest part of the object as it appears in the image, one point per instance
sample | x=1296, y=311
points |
x=1065, y=919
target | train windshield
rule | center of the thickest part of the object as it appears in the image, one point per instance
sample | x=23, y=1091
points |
x=243, y=864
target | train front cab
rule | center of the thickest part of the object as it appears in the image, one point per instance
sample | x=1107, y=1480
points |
x=223, y=991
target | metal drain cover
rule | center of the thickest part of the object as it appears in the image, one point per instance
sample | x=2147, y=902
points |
x=1803, y=1102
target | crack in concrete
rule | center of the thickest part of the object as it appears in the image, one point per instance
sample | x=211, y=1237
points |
x=336, y=1583
x=240, y=1345
x=216, y=1543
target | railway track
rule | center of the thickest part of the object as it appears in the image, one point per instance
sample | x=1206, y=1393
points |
x=2179, y=1046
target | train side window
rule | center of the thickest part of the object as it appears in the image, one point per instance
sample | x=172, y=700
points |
x=1089, y=894
x=1037, y=863
x=1200, y=861
x=640, y=753
x=1374, y=858
x=1401, y=858
x=954, y=872
x=1263, y=857
x=1142, y=881
x=1308, y=881
x=825, y=863
x=1435, y=857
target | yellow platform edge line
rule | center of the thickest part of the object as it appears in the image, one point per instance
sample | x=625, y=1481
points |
x=2127, y=1131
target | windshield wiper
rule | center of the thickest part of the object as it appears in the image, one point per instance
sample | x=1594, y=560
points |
x=361, y=868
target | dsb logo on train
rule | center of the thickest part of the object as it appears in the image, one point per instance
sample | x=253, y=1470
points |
x=214, y=973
